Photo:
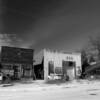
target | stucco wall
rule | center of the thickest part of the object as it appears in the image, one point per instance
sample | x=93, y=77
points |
x=58, y=57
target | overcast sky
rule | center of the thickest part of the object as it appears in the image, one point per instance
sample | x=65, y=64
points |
x=54, y=24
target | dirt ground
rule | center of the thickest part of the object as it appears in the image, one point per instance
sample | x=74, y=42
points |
x=38, y=90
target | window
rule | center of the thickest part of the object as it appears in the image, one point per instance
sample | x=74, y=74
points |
x=58, y=70
x=9, y=67
x=51, y=67
x=71, y=63
x=64, y=63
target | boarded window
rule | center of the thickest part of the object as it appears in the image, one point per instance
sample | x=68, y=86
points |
x=51, y=67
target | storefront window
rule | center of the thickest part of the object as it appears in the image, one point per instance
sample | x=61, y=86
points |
x=51, y=67
x=7, y=67
x=58, y=70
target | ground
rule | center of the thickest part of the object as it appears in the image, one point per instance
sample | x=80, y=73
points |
x=38, y=90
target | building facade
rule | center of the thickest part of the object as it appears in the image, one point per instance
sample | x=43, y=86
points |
x=16, y=62
x=56, y=65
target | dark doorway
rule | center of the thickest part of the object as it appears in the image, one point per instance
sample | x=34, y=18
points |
x=39, y=71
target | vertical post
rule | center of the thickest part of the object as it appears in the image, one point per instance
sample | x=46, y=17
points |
x=19, y=71
x=45, y=67
x=33, y=73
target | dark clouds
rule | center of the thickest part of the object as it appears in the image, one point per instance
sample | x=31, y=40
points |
x=55, y=24
x=22, y=15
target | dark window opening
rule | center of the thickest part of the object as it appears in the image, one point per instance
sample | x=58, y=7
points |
x=39, y=71
x=51, y=67
x=71, y=64
x=58, y=70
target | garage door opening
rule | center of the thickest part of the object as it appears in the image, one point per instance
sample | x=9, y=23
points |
x=69, y=69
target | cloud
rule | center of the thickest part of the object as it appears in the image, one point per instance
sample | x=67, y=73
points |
x=13, y=40
x=5, y=40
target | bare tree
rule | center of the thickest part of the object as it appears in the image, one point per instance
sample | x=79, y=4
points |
x=94, y=48
x=90, y=53
x=85, y=63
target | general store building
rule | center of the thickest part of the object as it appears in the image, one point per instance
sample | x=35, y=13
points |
x=54, y=65
x=16, y=62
